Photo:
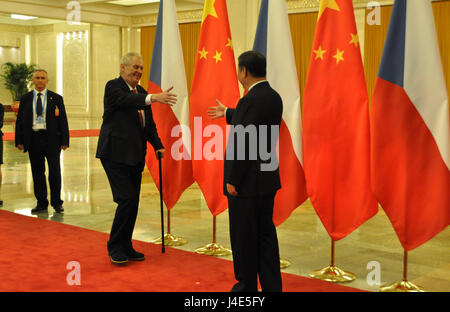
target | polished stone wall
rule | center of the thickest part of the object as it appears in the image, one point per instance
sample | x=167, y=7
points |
x=79, y=59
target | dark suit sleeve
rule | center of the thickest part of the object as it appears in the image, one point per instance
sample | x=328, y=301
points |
x=19, y=133
x=237, y=169
x=117, y=97
x=229, y=115
x=152, y=132
x=2, y=115
x=63, y=123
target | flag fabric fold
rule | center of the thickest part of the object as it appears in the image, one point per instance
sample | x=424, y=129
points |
x=167, y=69
x=273, y=39
x=410, y=127
x=214, y=78
x=336, y=124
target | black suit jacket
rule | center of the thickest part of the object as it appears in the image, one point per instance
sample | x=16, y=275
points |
x=260, y=107
x=2, y=114
x=57, y=126
x=122, y=138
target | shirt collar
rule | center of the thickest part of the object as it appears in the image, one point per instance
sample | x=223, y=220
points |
x=130, y=87
x=42, y=92
x=256, y=84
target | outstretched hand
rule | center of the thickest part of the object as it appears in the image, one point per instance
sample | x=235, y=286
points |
x=165, y=97
x=216, y=111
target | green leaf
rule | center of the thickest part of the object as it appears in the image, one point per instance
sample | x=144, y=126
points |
x=17, y=77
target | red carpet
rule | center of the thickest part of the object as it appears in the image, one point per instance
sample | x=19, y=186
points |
x=35, y=252
x=9, y=136
x=84, y=133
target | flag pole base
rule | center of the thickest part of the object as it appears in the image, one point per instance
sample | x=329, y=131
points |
x=403, y=286
x=170, y=240
x=333, y=274
x=284, y=263
x=213, y=249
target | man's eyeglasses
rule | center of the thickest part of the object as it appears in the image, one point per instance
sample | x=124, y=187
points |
x=136, y=67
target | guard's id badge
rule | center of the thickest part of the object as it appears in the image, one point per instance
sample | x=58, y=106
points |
x=40, y=123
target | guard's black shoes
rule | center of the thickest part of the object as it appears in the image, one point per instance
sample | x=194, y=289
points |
x=39, y=209
x=59, y=208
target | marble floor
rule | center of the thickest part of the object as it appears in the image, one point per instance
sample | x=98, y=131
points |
x=372, y=252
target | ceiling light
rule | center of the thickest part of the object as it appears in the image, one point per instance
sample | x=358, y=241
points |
x=132, y=2
x=22, y=17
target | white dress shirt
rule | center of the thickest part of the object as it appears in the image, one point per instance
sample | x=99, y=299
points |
x=40, y=122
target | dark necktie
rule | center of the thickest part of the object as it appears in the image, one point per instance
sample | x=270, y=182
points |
x=39, y=105
x=141, y=119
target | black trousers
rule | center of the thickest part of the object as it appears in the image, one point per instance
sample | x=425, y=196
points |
x=125, y=182
x=40, y=150
x=254, y=243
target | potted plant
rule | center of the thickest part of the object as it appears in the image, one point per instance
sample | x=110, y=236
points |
x=17, y=77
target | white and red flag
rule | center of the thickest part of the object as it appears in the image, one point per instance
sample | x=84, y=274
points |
x=172, y=122
x=273, y=39
x=410, y=127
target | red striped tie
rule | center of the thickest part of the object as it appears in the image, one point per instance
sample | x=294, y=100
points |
x=141, y=118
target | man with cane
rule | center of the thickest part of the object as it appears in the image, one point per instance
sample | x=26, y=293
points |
x=127, y=126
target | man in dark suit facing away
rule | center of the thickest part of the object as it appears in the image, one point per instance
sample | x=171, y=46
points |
x=42, y=130
x=251, y=176
x=127, y=126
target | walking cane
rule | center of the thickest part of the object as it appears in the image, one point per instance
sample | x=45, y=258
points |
x=159, y=156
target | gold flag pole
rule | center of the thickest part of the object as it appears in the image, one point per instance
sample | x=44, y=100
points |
x=284, y=263
x=404, y=285
x=169, y=238
x=333, y=273
x=213, y=249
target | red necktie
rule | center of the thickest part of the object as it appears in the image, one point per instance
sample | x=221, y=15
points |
x=141, y=118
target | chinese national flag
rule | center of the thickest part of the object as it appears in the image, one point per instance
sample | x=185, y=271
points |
x=214, y=78
x=336, y=124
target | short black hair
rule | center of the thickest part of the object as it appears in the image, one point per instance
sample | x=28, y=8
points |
x=254, y=62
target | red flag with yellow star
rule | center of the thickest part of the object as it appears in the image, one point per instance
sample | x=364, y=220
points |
x=214, y=78
x=336, y=124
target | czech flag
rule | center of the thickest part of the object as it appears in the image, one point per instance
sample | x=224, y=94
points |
x=410, y=127
x=167, y=69
x=273, y=39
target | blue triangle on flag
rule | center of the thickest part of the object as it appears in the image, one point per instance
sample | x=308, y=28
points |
x=155, y=68
x=260, y=43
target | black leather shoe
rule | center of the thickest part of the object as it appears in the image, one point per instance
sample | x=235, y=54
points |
x=38, y=209
x=118, y=258
x=241, y=287
x=135, y=256
x=238, y=287
x=59, y=208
